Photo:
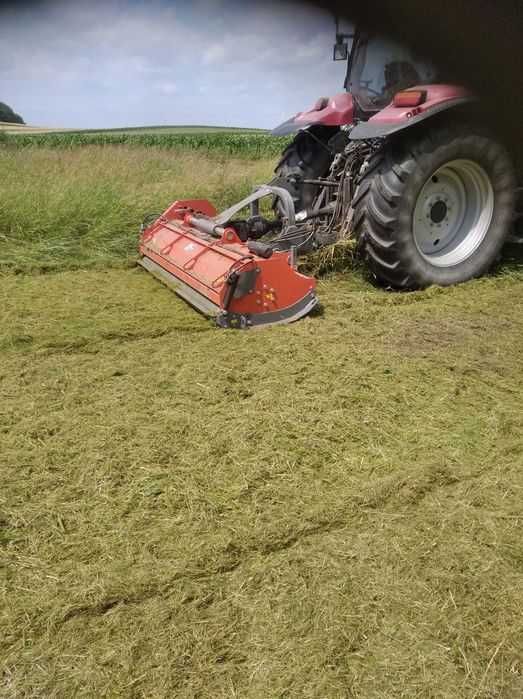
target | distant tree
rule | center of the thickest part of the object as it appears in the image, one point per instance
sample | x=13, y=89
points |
x=7, y=114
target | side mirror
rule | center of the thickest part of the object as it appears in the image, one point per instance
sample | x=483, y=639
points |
x=341, y=51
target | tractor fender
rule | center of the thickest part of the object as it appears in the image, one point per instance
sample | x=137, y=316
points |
x=326, y=111
x=391, y=119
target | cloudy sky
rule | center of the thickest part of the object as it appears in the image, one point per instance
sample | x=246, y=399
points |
x=128, y=62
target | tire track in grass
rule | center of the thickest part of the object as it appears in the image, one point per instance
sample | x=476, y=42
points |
x=401, y=492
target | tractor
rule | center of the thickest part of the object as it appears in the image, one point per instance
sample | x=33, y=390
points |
x=399, y=161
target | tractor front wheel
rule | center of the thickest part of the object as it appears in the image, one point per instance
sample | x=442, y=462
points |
x=435, y=209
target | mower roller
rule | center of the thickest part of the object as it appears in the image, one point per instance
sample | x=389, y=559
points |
x=400, y=161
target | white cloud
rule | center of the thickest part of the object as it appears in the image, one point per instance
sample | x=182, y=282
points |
x=167, y=88
x=214, y=54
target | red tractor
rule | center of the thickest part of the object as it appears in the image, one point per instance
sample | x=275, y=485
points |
x=399, y=161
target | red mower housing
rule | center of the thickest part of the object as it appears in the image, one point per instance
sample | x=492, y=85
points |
x=224, y=278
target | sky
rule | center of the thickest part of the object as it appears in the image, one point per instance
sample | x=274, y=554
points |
x=102, y=64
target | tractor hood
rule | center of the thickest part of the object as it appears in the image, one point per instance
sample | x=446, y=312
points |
x=327, y=111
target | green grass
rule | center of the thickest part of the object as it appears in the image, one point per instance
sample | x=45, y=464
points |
x=63, y=209
x=326, y=509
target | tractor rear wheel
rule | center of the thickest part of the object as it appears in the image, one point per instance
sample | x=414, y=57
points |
x=306, y=157
x=435, y=209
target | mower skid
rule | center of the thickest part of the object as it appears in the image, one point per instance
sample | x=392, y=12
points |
x=195, y=299
x=189, y=249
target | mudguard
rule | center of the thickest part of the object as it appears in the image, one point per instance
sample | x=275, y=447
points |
x=392, y=119
x=327, y=111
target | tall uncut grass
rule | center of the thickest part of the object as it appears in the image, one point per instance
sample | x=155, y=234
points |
x=63, y=208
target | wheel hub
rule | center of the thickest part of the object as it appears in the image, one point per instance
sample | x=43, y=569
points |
x=438, y=212
x=442, y=214
x=453, y=213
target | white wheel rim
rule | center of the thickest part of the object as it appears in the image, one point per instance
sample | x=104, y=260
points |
x=453, y=213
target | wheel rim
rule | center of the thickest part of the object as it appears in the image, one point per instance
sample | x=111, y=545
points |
x=453, y=213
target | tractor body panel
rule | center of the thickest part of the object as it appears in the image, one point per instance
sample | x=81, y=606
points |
x=391, y=119
x=337, y=110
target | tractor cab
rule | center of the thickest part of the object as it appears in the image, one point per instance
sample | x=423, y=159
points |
x=378, y=68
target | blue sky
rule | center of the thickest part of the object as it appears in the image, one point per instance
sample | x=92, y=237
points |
x=129, y=63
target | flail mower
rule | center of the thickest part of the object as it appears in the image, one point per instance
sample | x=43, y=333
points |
x=398, y=161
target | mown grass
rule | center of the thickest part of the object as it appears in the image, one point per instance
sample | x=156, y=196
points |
x=327, y=509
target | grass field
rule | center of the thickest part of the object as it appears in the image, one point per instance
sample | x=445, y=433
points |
x=324, y=510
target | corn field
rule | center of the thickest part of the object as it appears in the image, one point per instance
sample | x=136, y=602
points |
x=252, y=145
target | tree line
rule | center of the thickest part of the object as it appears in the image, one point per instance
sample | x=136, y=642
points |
x=7, y=114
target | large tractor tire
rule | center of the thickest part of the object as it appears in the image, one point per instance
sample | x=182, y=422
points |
x=306, y=157
x=434, y=207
